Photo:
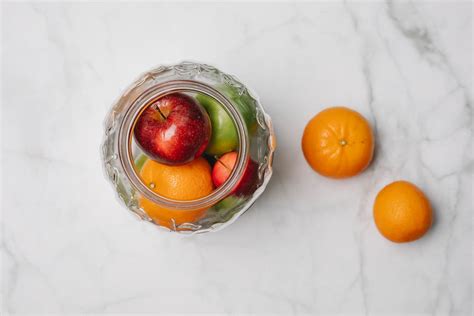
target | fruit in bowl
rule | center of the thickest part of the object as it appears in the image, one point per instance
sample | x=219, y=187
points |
x=183, y=183
x=174, y=130
x=244, y=103
x=224, y=133
x=223, y=168
x=140, y=161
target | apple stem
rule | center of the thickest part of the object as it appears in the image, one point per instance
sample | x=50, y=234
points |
x=225, y=166
x=164, y=117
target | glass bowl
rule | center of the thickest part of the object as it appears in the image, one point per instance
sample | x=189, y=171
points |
x=255, y=145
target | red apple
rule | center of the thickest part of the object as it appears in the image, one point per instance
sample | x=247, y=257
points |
x=223, y=168
x=173, y=130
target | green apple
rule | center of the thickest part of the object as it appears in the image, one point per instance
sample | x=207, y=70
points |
x=224, y=134
x=244, y=103
x=228, y=207
x=228, y=203
x=140, y=161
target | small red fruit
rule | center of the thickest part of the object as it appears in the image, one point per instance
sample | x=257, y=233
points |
x=173, y=130
x=223, y=168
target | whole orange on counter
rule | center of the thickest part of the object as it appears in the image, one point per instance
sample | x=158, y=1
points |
x=186, y=182
x=338, y=143
x=402, y=213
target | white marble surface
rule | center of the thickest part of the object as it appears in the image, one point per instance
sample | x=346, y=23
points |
x=309, y=244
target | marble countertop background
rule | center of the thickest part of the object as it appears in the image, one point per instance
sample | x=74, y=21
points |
x=309, y=244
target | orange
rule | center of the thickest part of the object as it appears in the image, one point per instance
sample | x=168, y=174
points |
x=183, y=183
x=402, y=212
x=338, y=143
